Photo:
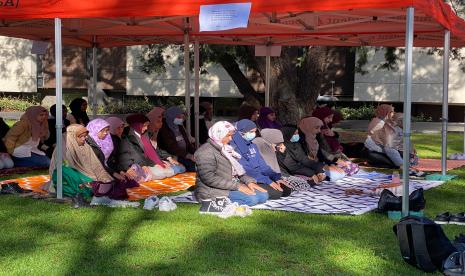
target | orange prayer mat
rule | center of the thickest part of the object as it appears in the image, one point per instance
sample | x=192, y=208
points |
x=155, y=187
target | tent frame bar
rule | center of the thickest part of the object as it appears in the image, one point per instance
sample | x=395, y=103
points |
x=445, y=101
x=59, y=108
x=407, y=109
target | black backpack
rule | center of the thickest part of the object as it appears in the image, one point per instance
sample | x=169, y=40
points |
x=423, y=243
x=390, y=202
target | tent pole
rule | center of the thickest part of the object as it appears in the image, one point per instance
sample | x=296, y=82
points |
x=445, y=101
x=407, y=109
x=59, y=111
x=197, y=91
x=267, y=76
x=187, y=76
x=94, y=77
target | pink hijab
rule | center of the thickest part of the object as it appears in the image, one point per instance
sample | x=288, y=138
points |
x=307, y=126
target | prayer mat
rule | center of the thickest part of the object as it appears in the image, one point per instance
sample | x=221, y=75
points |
x=331, y=197
x=155, y=187
x=434, y=165
x=18, y=170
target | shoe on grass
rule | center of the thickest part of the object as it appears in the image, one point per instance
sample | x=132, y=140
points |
x=7, y=190
x=443, y=218
x=166, y=204
x=123, y=204
x=210, y=207
x=151, y=203
x=100, y=200
x=18, y=188
x=78, y=201
x=458, y=219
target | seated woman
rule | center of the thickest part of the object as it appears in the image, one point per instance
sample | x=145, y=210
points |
x=23, y=139
x=50, y=143
x=248, y=112
x=156, y=123
x=267, y=119
x=328, y=140
x=309, y=128
x=394, y=141
x=219, y=174
x=136, y=149
x=295, y=161
x=100, y=140
x=78, y=114
x=253, y=162
x=174, y=139
x=83, y=166
x=378, y=129
x=5, y=158
x=271, y=146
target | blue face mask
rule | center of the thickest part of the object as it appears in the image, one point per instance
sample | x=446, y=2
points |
x=295, y=138
x=249, y=136
x=178, y=121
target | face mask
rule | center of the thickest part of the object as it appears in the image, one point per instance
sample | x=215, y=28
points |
x=295, y=138
x=178, y=121
x=249, y=136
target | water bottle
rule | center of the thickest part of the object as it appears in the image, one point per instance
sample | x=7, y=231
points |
x=395, y=177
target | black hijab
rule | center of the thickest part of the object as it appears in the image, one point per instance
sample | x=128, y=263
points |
x=80, y=116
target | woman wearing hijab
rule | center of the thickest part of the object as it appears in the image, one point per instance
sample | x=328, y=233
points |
x=253, y=162
x=377, y=138
x=116, y=133
x=5, y=158
x=23, y=139
x=248, y=112
x=295, y=161
x=271, y=144
x=100, y=140
x=136, y=149
x=174, y=139
x=50, y=143
x=78, y=114
x=309, y=128
x=83, y=165
x=267, y=119
x=219, y=173
x=156, y=122
x=330, y=148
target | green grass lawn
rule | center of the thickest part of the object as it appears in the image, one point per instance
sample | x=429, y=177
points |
x=43, y=238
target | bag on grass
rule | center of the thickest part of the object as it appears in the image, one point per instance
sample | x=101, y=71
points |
x=390, y=202
x=423, y=243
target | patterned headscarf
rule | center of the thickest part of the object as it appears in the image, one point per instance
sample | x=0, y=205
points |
x=38, y=130
x=307, y=126
x=105, y=144
x=216, y=133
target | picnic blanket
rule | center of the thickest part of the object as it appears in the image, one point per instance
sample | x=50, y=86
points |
x=330, y=197
x=155, y=187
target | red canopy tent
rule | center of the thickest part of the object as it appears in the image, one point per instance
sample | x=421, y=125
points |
x=108, y=23
x=297, y=22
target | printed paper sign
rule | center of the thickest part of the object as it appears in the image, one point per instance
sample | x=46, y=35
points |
x=224, y=16
x=272, y=51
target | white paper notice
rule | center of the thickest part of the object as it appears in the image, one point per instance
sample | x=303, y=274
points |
x=224, y=16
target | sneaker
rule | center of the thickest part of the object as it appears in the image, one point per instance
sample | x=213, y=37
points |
x=100, y=200
x=229, y=211
x=151, y=202
x=443, y=218
x=18, y=188
x=123, y=204
x=243, y=211
x=7, y=190
x=458, y=219
x=210, y=207
x=223, y=201
x=78, y=201
x=166, y=204
x=454, y=265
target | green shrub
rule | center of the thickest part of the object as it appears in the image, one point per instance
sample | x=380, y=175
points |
x=364, y=112
x=16, y=104
x=139, y=105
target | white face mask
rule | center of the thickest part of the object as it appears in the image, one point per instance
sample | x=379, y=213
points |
x=178, y=121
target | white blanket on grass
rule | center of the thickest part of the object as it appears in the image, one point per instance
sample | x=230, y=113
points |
x=330, y=197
